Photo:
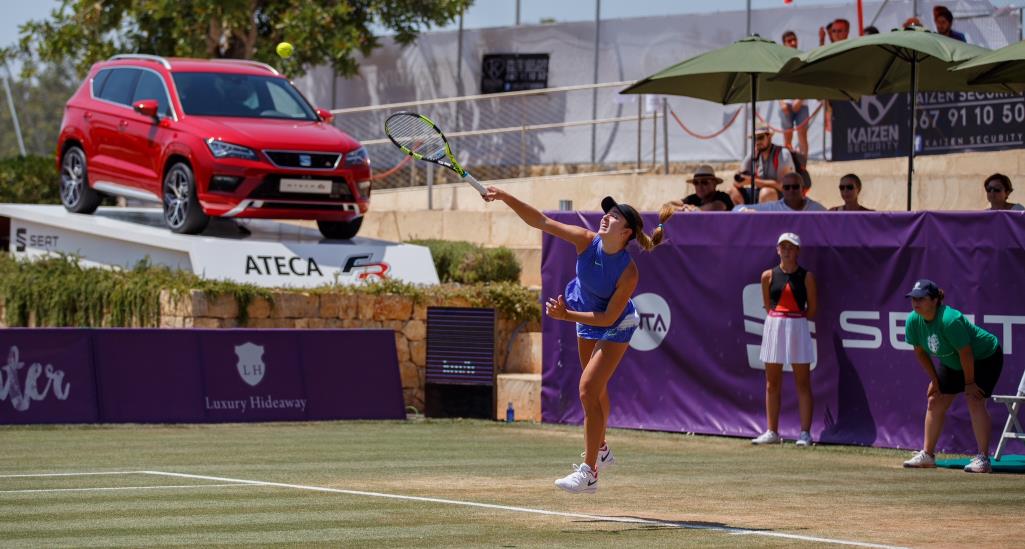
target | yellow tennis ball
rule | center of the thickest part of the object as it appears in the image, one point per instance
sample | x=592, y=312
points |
x=285, y=50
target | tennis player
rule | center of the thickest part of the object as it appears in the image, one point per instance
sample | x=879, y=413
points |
x=598, y=301
x=790, y=297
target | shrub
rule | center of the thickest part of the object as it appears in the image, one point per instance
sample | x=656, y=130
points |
x=467, y=263
x=29, y=180
x=489, y=265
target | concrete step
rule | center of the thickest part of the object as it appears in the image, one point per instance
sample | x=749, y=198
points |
x=523, y=391
x=525, y=354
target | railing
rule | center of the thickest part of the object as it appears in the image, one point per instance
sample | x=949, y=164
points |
x=520, y=134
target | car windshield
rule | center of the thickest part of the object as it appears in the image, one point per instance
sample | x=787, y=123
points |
x=240, y=95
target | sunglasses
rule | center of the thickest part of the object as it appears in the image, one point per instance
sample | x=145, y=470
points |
x=791, y=187
x=846, y=187
x=994, y=189
x=704, y=181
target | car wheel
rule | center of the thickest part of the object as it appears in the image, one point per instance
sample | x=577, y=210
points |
x=340, y=229
x=76, y=194
x=182, y=213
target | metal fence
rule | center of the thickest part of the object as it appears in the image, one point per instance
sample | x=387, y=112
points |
x=521, y=133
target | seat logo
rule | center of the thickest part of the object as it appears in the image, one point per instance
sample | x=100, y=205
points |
x=655, y=320
x=250, y=363
x=19, y=240
x=305, y=160
x=754, y=324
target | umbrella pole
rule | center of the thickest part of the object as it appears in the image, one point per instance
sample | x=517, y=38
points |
x=754, y=138
x=914, y=105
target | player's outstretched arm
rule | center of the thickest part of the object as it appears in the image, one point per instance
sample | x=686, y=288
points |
x=578, y=236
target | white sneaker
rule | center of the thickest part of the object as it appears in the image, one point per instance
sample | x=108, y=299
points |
x=804, y=439
x=581, y=480
x=768, y=437
x=605, y=457
x=921, y=460
x=979, y=464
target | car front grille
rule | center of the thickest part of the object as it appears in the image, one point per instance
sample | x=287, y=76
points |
x=270, y=188
x=304, y=160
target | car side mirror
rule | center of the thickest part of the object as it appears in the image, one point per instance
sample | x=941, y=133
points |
x=325, y=115
x=147, y=107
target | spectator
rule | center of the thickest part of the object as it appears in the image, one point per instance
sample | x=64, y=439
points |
x=790, y=298
x=837, y=30
x=705, y=198
x=944, y=21
x=970, y=363
x=793, y=198
x=871, y=30
x=773, y=163
x=998, y=188
x=850, y=189
x=794, y=112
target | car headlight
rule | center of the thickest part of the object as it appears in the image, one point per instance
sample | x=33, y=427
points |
x=358, y=157
x=364, y=188
x=221, y=149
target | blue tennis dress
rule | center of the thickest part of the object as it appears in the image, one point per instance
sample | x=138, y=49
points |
x=591, y=290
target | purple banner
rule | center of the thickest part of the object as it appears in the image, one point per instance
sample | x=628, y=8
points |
x=693, y=365
x=47, y=377
x=149, y=375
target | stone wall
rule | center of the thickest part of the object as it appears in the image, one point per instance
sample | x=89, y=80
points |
x=513, y=352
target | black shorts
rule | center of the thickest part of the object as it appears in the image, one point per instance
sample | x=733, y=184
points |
x=745, y=192
x=987, y=372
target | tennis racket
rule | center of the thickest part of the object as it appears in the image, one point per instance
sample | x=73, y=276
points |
x=419, y=137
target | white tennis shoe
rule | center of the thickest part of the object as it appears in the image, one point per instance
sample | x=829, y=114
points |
x=768, y=437
x=804, y=439
x=581, y=480
x=921, y=460
x=605, y=457
x=979, y=464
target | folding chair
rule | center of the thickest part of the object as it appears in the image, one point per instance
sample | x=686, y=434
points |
x=1013, y=403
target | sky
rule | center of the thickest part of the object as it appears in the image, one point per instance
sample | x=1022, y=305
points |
x=496, y=13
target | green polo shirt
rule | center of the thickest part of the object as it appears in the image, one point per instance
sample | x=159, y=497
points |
x=948, y=332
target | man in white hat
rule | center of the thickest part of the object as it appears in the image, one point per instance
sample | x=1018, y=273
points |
x=772, y=163
x=706, y=198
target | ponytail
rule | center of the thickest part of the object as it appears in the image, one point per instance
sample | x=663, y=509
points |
x=658, y=235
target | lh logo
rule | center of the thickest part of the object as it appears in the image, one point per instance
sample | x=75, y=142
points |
x=250, y=363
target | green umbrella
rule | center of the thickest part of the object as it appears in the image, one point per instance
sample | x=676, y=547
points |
x=737, y=73
x=908, y=60
x=1005, y=66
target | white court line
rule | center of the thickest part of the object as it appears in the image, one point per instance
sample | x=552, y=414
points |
x=75, y=474
x=106, y=488
x=632, y=520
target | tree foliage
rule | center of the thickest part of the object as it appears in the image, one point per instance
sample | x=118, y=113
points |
x=333, y=32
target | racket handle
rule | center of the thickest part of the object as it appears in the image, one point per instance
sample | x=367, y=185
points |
x=476, y=184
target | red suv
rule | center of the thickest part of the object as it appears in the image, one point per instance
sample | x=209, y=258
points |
x=226, y=138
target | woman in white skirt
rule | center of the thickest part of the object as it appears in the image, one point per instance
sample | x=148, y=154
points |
x=788, y=292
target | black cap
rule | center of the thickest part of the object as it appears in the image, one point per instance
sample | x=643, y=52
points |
x=924, y=287
x=630, y=215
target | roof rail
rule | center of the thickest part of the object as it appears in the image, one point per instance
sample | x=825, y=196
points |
x=251, y=63
x=145, y=56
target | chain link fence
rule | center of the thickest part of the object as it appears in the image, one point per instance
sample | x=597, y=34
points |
x=571, y=129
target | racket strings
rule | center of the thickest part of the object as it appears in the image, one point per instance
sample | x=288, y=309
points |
x=413, y=133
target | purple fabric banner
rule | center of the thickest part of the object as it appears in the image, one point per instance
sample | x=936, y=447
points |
x=47, y=376
x=149, y=375
x=693, y=365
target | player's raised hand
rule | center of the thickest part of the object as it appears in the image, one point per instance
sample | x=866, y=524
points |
x=556, y=308
x=493, y=193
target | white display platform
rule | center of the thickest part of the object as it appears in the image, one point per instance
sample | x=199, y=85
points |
x=262, y=252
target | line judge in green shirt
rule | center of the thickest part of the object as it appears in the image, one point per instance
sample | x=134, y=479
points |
x=970, y=363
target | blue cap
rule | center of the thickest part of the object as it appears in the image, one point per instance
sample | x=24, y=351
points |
x=924, y=287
